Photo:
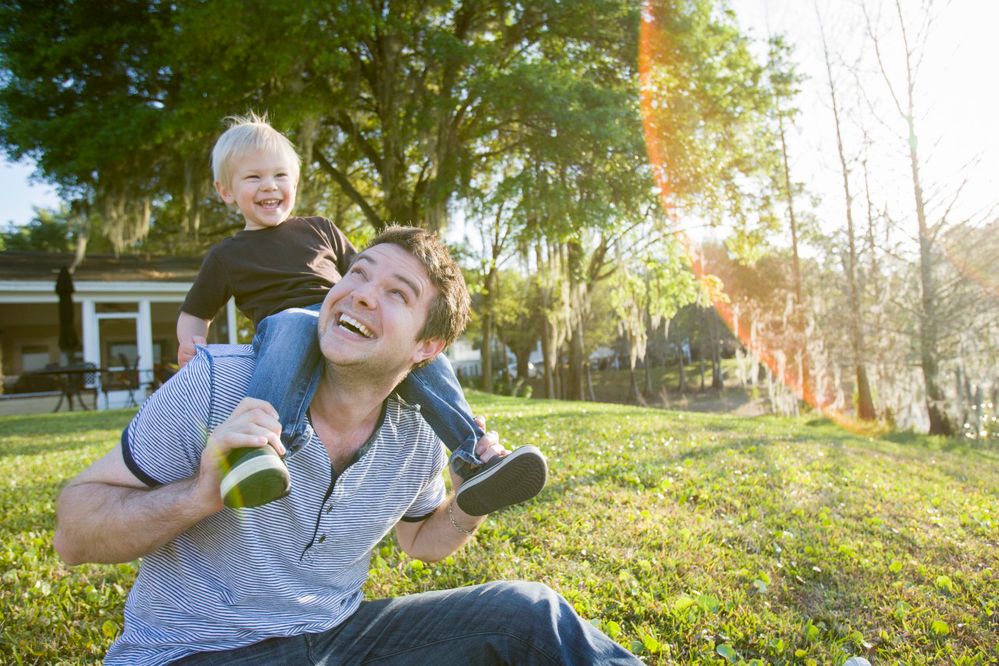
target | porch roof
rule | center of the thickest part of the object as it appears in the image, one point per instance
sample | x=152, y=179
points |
x=44, y=266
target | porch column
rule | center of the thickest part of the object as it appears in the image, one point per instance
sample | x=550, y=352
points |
x=91, y=333
x=230, y=319
x=144, y=333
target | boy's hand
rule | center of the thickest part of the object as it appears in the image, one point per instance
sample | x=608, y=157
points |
x=187, y=349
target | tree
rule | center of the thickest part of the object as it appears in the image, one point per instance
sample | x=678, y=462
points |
x=865, y=402
x=784, y=83
x=904, y=99
x=395, y=104
x=648, y=291
x=706, y=112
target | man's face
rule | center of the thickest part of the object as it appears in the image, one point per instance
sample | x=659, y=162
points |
x=263, y=188
x=373, y=315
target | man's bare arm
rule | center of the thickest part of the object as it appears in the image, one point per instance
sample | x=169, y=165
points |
x=448, y=528
x=106, y=514
x=437, y=537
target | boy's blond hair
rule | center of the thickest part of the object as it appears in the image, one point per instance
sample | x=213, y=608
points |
x=245, y=134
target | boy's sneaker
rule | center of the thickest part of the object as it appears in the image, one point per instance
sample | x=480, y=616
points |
x=252, y=477
x=514, y=478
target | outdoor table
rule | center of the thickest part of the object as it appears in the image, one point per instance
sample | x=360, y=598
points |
x=73, y=381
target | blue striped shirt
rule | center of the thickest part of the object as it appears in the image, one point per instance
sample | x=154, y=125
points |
x=290, y=567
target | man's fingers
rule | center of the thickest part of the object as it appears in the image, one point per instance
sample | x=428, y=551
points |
x=247, y=405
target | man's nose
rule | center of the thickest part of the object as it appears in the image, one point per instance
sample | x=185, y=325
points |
x=364, y=295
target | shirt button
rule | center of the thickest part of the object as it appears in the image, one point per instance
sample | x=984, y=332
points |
x=322, y=537
x=329, y=508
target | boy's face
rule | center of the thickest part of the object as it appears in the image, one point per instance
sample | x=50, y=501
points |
x=263, y=188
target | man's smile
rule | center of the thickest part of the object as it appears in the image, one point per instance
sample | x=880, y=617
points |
x=348, y=323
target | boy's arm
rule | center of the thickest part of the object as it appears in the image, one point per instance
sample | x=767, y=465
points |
x=191, y=331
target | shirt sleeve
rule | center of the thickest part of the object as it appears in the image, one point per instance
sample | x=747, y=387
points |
x=342, y=247
x=433, y=493
x=164, y=442
x=210, y=290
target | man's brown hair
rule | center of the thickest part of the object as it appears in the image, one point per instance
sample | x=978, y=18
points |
x=451, y=309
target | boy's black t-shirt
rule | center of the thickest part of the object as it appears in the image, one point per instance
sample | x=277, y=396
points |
x=268, y=270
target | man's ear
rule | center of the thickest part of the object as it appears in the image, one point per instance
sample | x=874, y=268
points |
x=224, y=192
x=427, y=349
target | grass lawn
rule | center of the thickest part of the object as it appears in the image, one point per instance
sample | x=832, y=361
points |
x=688, y=537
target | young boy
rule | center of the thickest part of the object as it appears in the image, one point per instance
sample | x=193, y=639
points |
x=279, y=269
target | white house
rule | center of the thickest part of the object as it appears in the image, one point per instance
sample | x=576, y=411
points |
x=125, y=313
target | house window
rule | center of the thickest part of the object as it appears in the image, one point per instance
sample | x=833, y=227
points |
x=34, y=357
x=123, y=351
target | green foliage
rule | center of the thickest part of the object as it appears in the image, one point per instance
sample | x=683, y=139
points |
x=47, y=232
x=689, y=538
x=396, y=108
x=706, y=117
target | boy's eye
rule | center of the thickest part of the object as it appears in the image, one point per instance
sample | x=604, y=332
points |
x=400, y=293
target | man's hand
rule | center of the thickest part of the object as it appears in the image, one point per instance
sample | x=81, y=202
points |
x=254, y=423
x=186, y=349
x=489, y=446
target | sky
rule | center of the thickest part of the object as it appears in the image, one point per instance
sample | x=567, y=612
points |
x=20, y=196
x=959, y=101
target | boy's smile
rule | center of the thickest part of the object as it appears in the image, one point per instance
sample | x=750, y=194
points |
x=263, y=188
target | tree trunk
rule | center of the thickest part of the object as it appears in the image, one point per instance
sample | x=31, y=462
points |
x=865, y=404
x=716, y=374
x=682, y=383
x=940, y=423
x=798, y=309
x=574, y=389
x=633, y=395
x=486, y=353
x=548, y=355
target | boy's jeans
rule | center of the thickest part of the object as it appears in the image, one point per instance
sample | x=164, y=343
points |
x=288, y=370
x=527, y=624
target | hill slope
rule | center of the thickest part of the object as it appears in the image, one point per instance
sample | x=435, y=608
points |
x=690, y=538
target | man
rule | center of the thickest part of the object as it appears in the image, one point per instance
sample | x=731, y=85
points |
x=281, y=583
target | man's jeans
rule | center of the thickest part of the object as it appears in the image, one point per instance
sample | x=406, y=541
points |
x=496, y=623
x=288, y=369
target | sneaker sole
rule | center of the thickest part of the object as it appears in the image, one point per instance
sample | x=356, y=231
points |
x=518, y=477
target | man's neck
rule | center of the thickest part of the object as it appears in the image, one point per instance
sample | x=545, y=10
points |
x=345, y=411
